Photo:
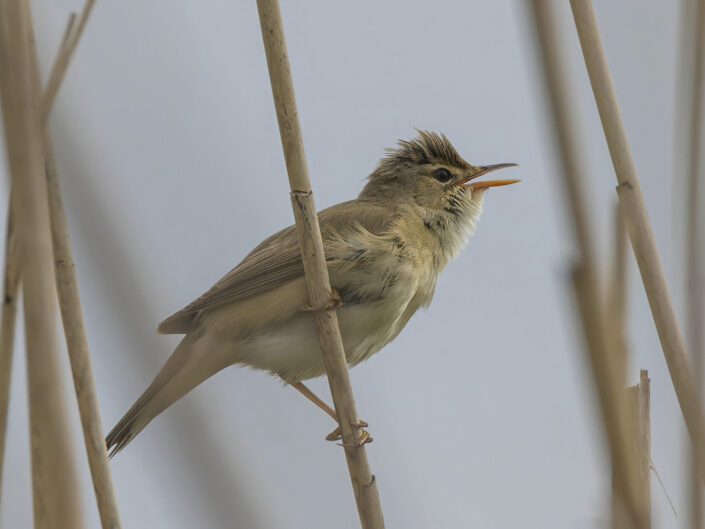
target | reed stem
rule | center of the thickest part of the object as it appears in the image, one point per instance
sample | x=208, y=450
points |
x=639, y=227
x=317, y=280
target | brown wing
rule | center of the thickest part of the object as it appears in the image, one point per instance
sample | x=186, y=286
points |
x=276, y=261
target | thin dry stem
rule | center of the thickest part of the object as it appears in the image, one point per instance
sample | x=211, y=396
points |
x=68, y=294
x=617, y=290
x=55, y=489
x=616, y=298
x=7, y=326
x=316, y=271
x=695, y=312
x=625, y=472
x=77, y=345
x=642, y=411
x=639, y=226
x=601, y=346
x=638, y=420
x=72, y=35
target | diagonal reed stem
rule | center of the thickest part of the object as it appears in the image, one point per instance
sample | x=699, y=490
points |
x=55, y=492
x=67, y=289
x=316, y=271
x=694, y=280
x=602, y=348
x=68, y=45
x=639, y=227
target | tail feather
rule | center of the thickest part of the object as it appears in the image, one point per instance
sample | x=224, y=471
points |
x=128, y=427
x=192, y=362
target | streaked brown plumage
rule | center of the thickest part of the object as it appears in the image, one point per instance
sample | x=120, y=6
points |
x=384, y=250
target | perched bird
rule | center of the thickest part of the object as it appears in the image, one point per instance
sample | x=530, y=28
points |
x=384, y=252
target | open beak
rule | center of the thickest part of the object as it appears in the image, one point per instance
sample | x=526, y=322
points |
x=489, y=183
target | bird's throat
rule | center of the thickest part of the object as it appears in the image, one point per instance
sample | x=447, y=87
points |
x=452, y=226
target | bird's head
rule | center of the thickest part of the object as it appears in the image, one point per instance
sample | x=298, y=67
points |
x=428, y=173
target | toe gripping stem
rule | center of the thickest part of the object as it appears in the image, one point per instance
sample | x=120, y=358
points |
x=365, y=437
x=333, y=302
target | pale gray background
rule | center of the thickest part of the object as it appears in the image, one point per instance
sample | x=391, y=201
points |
x=481, y=411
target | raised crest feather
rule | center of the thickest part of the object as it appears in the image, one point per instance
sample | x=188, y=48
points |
x=427, y=147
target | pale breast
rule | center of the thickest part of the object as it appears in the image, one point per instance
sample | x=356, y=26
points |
x=382, y=281
x=291, y=349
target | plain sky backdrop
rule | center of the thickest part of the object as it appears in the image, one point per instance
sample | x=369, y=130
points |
x=482, y=410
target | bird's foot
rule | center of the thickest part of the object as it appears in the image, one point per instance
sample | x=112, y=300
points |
x=334, y=302
x=337, y=435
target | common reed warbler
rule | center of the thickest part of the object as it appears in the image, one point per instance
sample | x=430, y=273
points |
x=384, y=252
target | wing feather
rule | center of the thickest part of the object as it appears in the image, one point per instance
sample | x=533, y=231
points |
x=276, y=261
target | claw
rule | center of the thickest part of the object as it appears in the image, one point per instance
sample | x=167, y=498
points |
x=337, y=435
x=365, y=438
x=334, y=302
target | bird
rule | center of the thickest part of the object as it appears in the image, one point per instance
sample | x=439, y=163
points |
x=384, y=252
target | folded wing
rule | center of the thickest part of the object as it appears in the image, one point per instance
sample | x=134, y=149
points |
x=276, y=261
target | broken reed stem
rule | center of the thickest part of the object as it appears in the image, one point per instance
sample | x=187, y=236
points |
x=639, y=226
x=7, y=326
x=68, y=294
x=602, y=348
x=54, y=485
x=625, y=473
x=615, y=326
x=643, y=438
x=638, y=420
x=316, y=271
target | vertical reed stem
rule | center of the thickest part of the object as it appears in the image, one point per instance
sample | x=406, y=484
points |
x=67, y=290
x=316, y=271
x=601, y=347
x=55, y=488
x=638, y=419
x=11, y=282
x=639, y=226
x=616, y=297
x=695, y=312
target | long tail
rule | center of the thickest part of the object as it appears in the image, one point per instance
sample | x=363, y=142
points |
x=192, y=362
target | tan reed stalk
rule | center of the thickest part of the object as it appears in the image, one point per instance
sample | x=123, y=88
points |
x=695, y=312
x=643, y=437
x=616, y=297
x=615, y=326
x=619, y=280
x=67, y=290
x=72, y=35
x=638, y=420
x=79, y=355
x=316, y=271
x=624, y=471
x=639, y=226
x=7, y=326
x=54, y=485
x=600, y=346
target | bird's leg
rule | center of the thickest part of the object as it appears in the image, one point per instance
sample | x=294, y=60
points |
x=336, y=434
x=310, y=395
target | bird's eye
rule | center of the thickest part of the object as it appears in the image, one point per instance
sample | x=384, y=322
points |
x=442, y=175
